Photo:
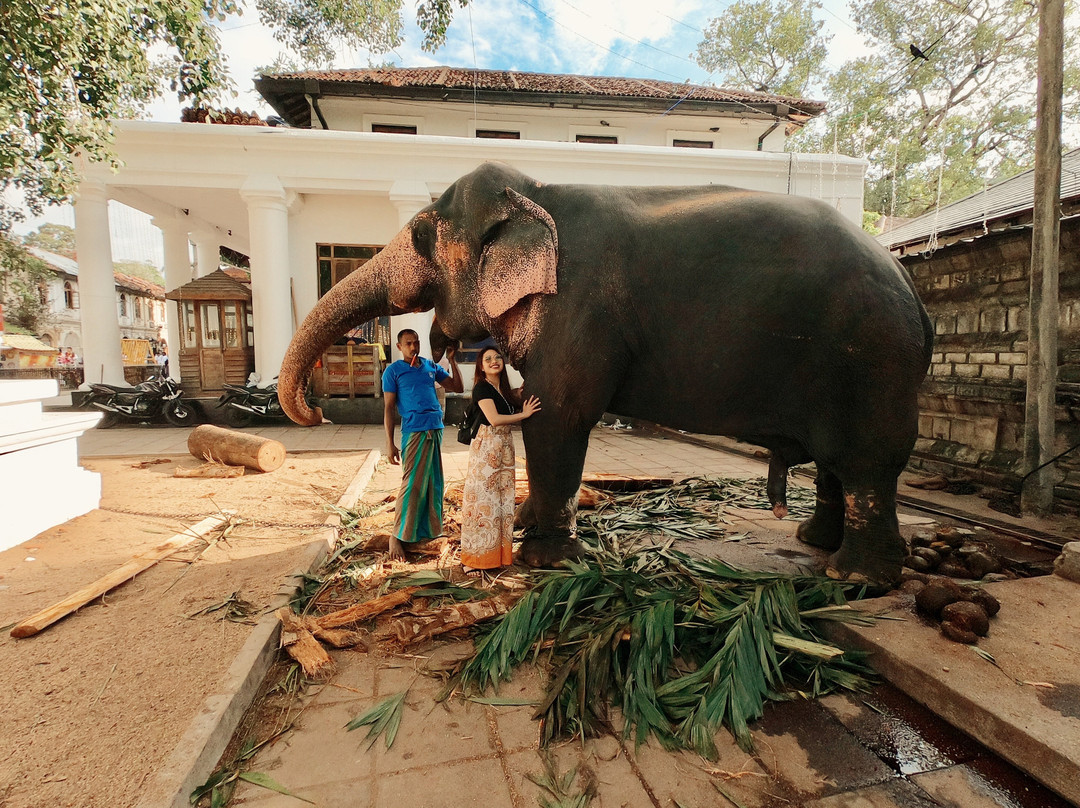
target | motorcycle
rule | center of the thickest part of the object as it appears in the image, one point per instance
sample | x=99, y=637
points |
x=157, y=396
x=241, y=405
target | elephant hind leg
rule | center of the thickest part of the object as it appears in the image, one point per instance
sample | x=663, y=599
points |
x=873, y=550
x=825, y=529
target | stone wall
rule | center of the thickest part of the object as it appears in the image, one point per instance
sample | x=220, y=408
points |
x=971, y=420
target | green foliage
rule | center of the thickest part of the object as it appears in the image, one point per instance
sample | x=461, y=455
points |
x=682, y=645
x=69, y=69
x=55, y=238
x=561, y=786
x=939, y=128
x=140, y=269
x=219, y=786
x=870, y=221
x=314, y=28
x=382, y=719
x=23, y=287
x=773, y=46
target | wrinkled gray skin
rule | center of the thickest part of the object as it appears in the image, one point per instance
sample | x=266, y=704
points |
x=711, y=309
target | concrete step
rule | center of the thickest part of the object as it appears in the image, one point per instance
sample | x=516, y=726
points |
x=1026, y=707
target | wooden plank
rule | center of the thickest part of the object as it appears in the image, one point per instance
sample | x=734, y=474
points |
x=46, y=617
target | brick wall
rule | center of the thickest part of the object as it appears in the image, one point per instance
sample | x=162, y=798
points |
x=971, y=419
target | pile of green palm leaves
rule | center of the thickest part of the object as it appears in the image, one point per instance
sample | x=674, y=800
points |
x=681, y=645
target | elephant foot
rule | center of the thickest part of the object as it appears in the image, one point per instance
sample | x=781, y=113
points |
x=876, y=565
x=825, y=532
x=549, y=550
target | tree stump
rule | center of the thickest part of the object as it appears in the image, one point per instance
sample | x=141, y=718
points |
x=213, y=443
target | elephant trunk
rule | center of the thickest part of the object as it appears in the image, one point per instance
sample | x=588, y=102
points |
x=361, y=296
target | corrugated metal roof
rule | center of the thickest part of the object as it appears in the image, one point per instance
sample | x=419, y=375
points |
x=61, y=262
x=1001, y=200
x=521, y=82
x=71, y=267
x=24, y=342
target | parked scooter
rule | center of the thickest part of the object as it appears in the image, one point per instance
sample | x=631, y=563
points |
x=157, y=396
x=242, y=405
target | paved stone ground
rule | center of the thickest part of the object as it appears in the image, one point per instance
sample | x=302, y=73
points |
x=839, y=752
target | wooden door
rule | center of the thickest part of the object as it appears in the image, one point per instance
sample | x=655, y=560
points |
x=211, y=352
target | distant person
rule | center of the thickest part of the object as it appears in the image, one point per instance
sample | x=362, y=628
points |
x=409, y=388
x=487, y=508
x=162, y=360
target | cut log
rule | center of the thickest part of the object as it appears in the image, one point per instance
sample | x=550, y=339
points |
x=208, y=442
x=46, y=617
x=412, y=630
x=210, y=470
x=297, y=639
x=365, y=611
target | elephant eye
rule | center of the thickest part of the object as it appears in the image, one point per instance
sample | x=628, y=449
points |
x=423, y=238
x=491, y=235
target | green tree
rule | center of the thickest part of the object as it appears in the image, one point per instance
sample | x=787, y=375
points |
x=67, y=69
x=56, y=238
x=140, y=269
x=23, y=286
x=940, y=120
x=769, y=46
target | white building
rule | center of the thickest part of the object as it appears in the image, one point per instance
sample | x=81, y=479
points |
x=140, y=304
x=365, y=150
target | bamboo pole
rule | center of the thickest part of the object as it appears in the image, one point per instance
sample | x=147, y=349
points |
x=46, y=617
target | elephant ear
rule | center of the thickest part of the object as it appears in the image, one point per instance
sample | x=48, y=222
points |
x=521, y=260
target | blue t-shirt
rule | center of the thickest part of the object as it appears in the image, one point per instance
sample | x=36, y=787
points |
x=415, y=389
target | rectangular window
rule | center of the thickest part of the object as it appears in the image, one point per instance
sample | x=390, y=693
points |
x=232, y=326
x=692, y=144
x=596, y=139
x=498, y=134
x=337, y=261
x=393, y=129
x=187, y=333
x=211, y=334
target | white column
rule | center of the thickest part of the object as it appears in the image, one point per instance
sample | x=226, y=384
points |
x=174, y=237
x=207, y=254
x=268, y=224
x=411, y=197
x=102, y=360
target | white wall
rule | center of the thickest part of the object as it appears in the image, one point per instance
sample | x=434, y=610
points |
x=557, y=125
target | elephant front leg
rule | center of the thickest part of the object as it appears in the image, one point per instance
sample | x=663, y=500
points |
x=825, y=529
x=873, y=550
x=549, y=514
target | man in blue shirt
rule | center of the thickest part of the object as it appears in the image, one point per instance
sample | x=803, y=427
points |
x=409, y=388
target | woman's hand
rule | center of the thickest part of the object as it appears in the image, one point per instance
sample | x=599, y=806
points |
x=530, y=405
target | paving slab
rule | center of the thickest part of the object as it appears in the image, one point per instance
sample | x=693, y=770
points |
x=1026, y=708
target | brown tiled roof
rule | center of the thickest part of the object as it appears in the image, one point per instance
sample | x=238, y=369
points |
x=139, y=285
x=514, y=81
x=218, y=285
x=282, y=88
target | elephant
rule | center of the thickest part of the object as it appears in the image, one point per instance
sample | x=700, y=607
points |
x=712, y=309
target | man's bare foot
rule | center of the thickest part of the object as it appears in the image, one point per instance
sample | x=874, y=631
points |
x=397, y=550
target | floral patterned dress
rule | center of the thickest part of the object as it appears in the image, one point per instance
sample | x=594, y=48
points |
x=487, y=513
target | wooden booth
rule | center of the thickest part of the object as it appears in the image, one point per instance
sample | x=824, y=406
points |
x=217, y=342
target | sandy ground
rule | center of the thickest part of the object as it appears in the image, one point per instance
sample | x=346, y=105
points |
x=96, y=702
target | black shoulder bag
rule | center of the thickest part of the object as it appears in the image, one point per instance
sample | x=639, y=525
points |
x=470, y=424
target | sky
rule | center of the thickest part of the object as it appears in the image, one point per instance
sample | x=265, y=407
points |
x=637, y=38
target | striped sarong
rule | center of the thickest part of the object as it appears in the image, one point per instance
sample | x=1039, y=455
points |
x=419, y=505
